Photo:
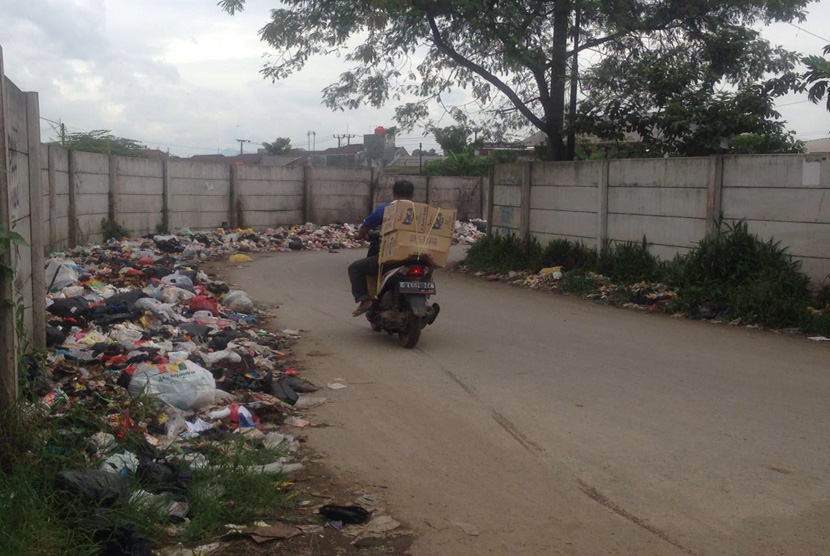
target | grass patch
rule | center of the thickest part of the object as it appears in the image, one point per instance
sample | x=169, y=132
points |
x=231, y=491
x=37, y=519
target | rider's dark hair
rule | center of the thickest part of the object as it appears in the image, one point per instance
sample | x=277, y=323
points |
x=403, y=189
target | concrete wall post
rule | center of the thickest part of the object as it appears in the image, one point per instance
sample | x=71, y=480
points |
x=491, y=187
x=602, y=204
x=524, y=229
x=714, y=197
x=36, y=222
x=234, y=214
x=307, y=201
x=8, y=359
x=73, y=202
x=165, y=192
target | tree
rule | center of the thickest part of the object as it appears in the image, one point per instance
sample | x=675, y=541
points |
x=281, y=146
x=818, y=76
x=512, y=55
x=673, y=101
x=453, y=139
x=102, y=141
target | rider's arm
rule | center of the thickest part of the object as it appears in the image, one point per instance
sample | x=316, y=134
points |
x=373, y=222
x=362, y=232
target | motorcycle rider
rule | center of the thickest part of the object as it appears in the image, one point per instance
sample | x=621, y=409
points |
x=402, y=190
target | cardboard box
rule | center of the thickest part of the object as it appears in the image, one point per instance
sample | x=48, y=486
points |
x=442, y=221
x=401, y=246
x=404, y=216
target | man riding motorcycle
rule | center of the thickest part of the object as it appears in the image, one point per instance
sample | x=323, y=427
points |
x=402, y=190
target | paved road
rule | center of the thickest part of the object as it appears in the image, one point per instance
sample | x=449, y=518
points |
x=531, y=423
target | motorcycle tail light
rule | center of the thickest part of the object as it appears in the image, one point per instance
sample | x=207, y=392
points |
x=416, y=272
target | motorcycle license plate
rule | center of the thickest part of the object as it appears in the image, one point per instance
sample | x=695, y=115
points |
x=418, y=287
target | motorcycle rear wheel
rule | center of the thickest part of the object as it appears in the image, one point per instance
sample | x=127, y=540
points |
x=409, y=337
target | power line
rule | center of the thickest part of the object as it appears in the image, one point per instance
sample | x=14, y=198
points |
x=809, y=32
x=792, y=103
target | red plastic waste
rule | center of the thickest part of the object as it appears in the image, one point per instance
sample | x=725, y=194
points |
x=205, y=303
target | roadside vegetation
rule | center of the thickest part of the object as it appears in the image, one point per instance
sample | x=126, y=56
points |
x=732, y=276
x=38, y=516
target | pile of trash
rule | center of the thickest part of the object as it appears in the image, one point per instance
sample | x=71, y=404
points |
x=467, y=233
x=171, y=359
x=643, y=295
x=219, y=242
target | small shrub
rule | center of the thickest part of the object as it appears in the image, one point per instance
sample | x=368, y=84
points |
x=569, y=255
x=628, y=263
x=502, y=254
x=113, y=230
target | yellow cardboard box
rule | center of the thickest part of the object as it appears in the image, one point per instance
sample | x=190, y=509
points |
x=442, y=221
x=401, y=246
x=404, y=216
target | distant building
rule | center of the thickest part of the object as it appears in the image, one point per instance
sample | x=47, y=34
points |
x=818, y=145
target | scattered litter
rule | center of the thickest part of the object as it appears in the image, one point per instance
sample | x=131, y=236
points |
x=238, y=258
x=352, y=515
x=468, y=529
x=309, y=402
x=297, y=422
x=819, y=339
x=336, y=386
x=382, y=524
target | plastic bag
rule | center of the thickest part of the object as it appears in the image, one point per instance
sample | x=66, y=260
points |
x=186, y=386
x=61, y=273
x=162, y=310
x=205, y=303
x=179, y=280
x=241, y=259
x=239, y=302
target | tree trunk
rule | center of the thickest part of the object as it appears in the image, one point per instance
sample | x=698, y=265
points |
x=574, y=88
x=558, y=79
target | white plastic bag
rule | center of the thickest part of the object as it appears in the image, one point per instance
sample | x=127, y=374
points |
x=162, y=310
x=61, y=273
x=186, y=385
x=238, y=302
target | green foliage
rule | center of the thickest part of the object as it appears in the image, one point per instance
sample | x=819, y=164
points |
x=628, y=263
x=458, y=164
x=579, y=282
x=102, y=141
x=113, y=230
x=569, y=255
x=502, y=254
x=473, y=45
x=818, y=77
x=7, y=239
x=453, y=139
x=281, y=146
x=733, y=274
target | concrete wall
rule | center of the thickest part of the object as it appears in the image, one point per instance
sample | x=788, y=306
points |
x=21, y=212
x=673, y=203
x=663, y=200
x=508, y=189
x=268, y=197
x=340, y=194
x=199, y=194
x=465, y=194
x=784, y=197
x=564, y=201
x=92, y=187
x=139, y=189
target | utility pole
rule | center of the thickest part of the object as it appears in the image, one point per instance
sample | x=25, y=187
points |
x=61, y=128
x=420, y=158
x=312, y=140
x=346, y=136
x=241, y=144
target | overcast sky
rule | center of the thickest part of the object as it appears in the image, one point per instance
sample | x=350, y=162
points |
x=183, y=75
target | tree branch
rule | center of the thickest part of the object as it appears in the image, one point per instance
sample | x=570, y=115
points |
x=444, y=47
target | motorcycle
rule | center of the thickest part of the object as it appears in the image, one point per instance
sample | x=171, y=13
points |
x=401, y=305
